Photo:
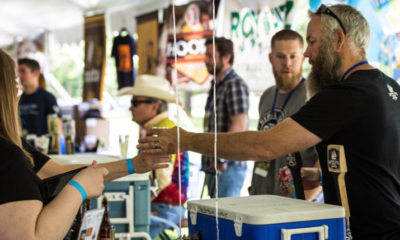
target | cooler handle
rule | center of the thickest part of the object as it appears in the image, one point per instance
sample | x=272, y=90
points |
x=322, y=232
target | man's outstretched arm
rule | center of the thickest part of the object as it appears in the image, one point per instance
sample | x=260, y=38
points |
x=286, y=137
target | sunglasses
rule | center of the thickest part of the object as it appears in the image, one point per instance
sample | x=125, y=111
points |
x=325, y=10
x=136, y=103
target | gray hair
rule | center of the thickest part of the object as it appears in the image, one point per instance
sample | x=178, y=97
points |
x=357, y=28
x=162, y=104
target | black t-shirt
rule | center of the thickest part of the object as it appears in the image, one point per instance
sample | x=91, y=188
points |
x=34, y=109
x=18, y=180
x=362, y=113
x=123, y=50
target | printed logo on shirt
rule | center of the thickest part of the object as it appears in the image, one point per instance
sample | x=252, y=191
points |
x=56, y=109
x=394, y=95
x=27, y=109
x=125, y=59
x=269, y=120
x=291, y=160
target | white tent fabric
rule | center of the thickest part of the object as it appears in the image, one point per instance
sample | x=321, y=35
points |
x=65, y=17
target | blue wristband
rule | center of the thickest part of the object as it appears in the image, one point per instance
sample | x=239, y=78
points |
x=79, y=188
x=129, y=164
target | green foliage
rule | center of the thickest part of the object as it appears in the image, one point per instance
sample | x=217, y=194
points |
x=65, y=65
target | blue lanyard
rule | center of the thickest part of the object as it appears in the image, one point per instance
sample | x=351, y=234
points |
x=31, y=101
x=211, y=96
x=348, y=70
x=284, y=103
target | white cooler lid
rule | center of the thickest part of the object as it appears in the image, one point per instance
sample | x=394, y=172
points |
x=266, y=209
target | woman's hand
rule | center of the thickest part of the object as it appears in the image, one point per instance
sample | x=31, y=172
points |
x=145, y=162
x=91, y=179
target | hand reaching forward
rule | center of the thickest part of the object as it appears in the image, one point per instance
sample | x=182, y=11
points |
x=166, y=141
x=145, y=162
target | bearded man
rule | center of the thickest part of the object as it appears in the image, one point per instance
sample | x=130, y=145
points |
x=352, y=104
x=279, y=102
x=232, y=106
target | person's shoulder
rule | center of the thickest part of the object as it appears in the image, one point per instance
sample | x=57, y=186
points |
x=9, y=150
x=269, y=90
x=235, y=78
x=235, y=81
x=6, y=143
x=166, y=122
x=301, y=88
x=365, y=76
x=46, y=93
x=369, y=73
x=268, y=93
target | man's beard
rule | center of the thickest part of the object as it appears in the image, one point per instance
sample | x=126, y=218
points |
x=218, y=68
x=286, y=83
x=326, y=69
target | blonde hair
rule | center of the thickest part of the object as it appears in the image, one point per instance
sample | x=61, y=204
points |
x=10, y=127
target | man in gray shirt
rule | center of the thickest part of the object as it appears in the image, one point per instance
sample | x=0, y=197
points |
x=279, y=102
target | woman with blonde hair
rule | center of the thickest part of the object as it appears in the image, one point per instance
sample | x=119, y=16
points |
x=24, y=215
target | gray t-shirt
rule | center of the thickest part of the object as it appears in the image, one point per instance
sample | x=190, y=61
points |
x=270, y=184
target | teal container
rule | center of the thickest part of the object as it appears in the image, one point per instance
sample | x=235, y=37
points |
x=141, y=205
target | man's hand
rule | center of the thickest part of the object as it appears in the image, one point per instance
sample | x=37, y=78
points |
x=145, y=162
x=165, y=142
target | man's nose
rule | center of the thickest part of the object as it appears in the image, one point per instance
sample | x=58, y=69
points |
x=307, y=53
x=287, y=62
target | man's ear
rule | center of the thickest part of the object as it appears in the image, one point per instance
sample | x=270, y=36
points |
x=340, y=39
x=226, y=58
x=156, y=106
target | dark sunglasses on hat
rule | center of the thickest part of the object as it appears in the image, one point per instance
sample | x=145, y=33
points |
x=325, y=10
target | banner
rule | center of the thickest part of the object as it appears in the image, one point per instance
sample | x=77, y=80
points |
x=147, y=45
x=95, y=58
x=251, y=30
x=193, y=27
x=384, y=21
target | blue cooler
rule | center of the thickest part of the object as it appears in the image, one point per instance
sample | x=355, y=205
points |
x=266, y=217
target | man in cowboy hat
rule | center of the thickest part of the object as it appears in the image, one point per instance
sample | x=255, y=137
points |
x=150, y=98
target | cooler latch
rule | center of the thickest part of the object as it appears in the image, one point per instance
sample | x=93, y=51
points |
x=193, y=215
x=238, y=226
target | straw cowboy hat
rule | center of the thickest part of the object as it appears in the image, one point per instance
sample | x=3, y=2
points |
x=149, y=86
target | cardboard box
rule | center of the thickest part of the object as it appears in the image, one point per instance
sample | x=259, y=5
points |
x=93, y=126
x=98, y=127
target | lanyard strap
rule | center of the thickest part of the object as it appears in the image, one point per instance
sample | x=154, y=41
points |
x=349, y=70
x=27, y=112
x=210, y=97
x=284, y=103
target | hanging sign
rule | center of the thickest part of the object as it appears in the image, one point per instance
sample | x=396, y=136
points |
x=95, y=58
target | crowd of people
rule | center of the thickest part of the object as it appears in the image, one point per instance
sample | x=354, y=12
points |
x=344, y=100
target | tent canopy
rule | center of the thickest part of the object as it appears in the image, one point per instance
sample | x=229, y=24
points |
x=65, y=17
